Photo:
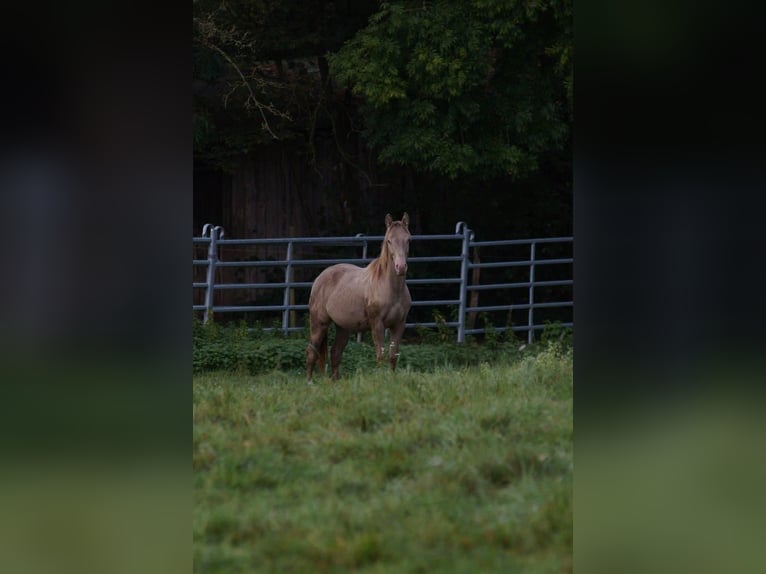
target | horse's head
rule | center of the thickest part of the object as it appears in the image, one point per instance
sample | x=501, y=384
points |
x=397, y=242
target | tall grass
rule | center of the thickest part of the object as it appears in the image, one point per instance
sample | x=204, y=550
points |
x=453, y=470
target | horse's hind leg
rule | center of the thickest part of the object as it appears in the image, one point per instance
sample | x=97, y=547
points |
x=341, y=338
x=317, y=344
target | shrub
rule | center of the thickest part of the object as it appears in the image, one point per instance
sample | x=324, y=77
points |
x=240, y=349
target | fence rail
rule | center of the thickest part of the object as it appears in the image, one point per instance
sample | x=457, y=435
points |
x=213, y=238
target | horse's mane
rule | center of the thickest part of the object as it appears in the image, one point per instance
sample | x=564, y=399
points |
x=379, y=267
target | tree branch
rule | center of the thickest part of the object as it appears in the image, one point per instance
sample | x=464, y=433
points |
x=207, y=29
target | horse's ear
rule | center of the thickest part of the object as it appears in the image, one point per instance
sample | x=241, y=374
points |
x=406, y=220
x=389, y=220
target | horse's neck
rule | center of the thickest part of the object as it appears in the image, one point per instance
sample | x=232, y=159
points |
x=386, y=273
x=396, y=282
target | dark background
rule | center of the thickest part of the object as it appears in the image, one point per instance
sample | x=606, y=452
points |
x=323, y=172
x=668, y=200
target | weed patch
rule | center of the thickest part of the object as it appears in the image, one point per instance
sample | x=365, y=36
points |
x=245, y=352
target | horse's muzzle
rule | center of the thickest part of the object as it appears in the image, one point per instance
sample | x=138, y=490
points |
x=401, y=269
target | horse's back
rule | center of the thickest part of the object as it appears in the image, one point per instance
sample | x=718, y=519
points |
x=333, y=277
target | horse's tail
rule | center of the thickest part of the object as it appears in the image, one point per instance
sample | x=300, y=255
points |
x=322, y=355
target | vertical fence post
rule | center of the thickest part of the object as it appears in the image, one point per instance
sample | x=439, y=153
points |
x=463, y=280
x=364, y=256
x=288, y=287
x=530, y=320
x=212, y=259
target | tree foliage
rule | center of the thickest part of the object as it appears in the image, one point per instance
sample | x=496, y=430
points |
x=450, y=87
x=479, y=87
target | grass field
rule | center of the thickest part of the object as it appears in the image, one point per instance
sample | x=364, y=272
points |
x=466, y=470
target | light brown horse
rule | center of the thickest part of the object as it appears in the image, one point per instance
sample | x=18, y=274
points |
x=358, y=299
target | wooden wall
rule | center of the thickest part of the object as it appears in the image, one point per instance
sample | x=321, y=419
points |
x=277, y=192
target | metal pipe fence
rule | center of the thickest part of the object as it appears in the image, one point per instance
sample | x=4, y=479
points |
x=538, y=283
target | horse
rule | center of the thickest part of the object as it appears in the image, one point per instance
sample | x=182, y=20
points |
x=358, y=299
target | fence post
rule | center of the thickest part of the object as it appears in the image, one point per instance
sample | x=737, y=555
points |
x=288, y=281
x=212, y=259
x=364, y=256
x=463, y=279
x=530, y=320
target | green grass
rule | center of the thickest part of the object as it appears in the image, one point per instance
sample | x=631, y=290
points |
x=453, y=470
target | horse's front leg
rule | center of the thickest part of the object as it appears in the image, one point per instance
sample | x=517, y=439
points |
x=396, y=337
x=378, y=338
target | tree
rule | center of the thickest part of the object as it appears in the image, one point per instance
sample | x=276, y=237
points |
x=259, y=71
x=479, y=87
